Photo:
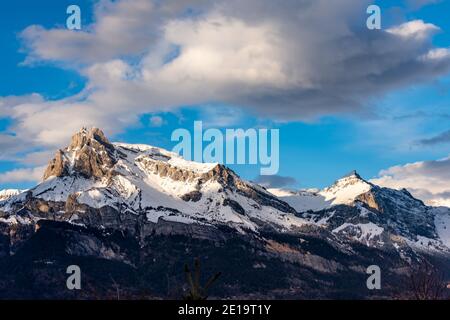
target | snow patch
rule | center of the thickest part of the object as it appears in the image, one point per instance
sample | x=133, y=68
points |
x=442, y=223
x=362, y=232
x=345, y=190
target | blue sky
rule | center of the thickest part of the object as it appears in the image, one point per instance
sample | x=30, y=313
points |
x=383, y=129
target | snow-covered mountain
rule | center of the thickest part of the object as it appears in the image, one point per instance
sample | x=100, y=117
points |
x=97, y=183
x=8, y=193
x=359, y=210
x=343, y=191
x=93, y=174
x=94, y=188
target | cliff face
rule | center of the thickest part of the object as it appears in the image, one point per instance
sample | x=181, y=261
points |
x=370, y=200
x=57, y=166
x=90, y=154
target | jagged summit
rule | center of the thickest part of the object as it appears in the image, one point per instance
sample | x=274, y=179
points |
x=346, y=189
x=91, y=137
x=349, y=178
x=89, y=154
x=352, y=174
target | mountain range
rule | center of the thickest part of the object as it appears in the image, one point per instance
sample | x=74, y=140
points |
x=131, y=216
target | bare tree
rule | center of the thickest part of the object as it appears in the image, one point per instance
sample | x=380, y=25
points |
x=426, y=282
x=196, y=291
x=116, y=286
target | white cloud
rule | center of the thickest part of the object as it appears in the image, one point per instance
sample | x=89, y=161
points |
x=225, y=51
x=416, y=29
x=9, y=145
x=427, y=180
x=121, y=28
x=437, y=54
x=36, y=158
x=300, y=60
x=9, y=103
x=22, y=175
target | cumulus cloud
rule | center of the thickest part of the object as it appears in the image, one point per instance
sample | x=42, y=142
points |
x=22, y=175
x=35, y=158
x=126, y=27
x=427, y=180
x=416, y=29
x=269, y=69
x=301, y=60
x=9, y=145
x=275, y=181
x=8, y=104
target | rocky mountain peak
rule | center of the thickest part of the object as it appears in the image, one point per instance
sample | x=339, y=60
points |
x=352, y=174
x=89, y=137
x=90, y=154
x=351, y=177
x=352, y=180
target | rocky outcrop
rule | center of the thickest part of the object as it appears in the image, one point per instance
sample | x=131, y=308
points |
x=370, y=200
x=228, y=179
x=193, y=196
x=90, y=154
x=164, y=169
x=234, y=205
x=58, y=166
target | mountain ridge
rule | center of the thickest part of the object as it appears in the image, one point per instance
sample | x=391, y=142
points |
x=121, y=203
x=93, y=175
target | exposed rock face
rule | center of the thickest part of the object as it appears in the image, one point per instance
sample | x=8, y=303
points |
x=164, y=169
x=192, y=196
x=57, y=167
x=405, y=214
x=228, y=179
x=369, y=199
x=89, y=154
x=93, y=137
x=234, y=205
